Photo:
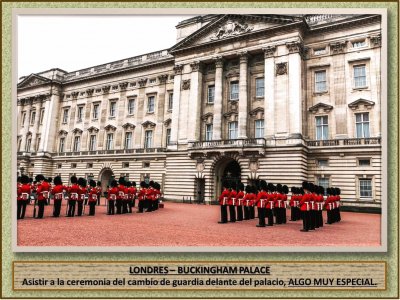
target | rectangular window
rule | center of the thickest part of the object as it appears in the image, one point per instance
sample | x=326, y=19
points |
x=59, y=166
x=125, y=165
x=19, y=144
x=259, y=129
x=319, y=51
x=113, y=106
x=322, y=162
x=80, y=113
x=210, y=94
x=364, y=162
x=109, y=141
x=92, y=142
x=128, y=140
x=320, y=81
x=61, y=145
x=152, y=80
x=359, y=44
x=148, y=136
x=77, y=143
x=73, y=166
x=131, y=106
x=33, y=117
x=324, y=182
x=23, y=118
x=170, y=101
x=65, y=116
x=232, y=130
x=150, y=104
x=168, y=136
x=362, y=125
x=209, y=132
x=234, y=91
x=41, y=116
x=37, y=144
x=365, y=188
x=89, y=166
x=322, y=127
x=259, y=87
x=95, y=114
x=360, y=77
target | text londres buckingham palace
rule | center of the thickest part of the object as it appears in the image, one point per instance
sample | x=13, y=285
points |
x=284, y=98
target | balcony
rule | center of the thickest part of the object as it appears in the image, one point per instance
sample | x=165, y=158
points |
x=108, y=152
x=344, y=142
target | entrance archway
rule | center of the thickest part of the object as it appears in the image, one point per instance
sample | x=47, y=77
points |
x=105, y=177
x=227, y=169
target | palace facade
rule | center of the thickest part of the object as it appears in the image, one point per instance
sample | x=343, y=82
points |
x=284, y=98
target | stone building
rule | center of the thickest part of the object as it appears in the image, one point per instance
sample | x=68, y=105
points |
x=284, y=98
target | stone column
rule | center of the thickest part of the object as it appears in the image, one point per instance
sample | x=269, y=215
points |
x=269, y=91
x=175, y=107
x=158, y=136
x=217, y=118
x=35, y=128
x=141, y=113
x=195, y=102
x=50, y=127
x=242, y=134
x=25, y=131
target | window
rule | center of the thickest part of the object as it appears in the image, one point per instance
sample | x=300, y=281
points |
x=170, y=101
x=359, y=44
x=259, y=129
x=148, y=136
x=80, y=113
x=125, y=165
x=73, y=166
x=28, y=145
x=363, y=162
x=113, y=106
x=360, y=77
x=210, y=94
x=77, y=143
x=92, y=142
x=322, y=162
x=259, y=87
x=234, y=90
x=362, y=125
x=322, y=127
x=131, y=106
x=65, y=116
x=319, y=51
x=23, y=118
x=95, y=114
x=109, y=141
x=61, y=145
x=152, y=80
x=128, y=140
x=146, y=164
x=59, y=166
x=89, y=166
x=320, y=81
x=365, y=188
x=209, y=132
x=19, y=144
x=324, y=182
x=33, y=117
x=41, y=116
x=232, y=130
x=168, y=136
x=150, y=104
x=37, y=144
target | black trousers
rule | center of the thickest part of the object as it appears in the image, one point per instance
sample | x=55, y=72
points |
x=57, y=207
x=224, y=214
x=98, y=199
x=133, y=202
x=278, y=215
x=125, y=205
x=252, y=212
x=141, y=206
x=283, y=215
x=21, y=208
x=312, y=219
x=130, y=205
x=111, y=207
x=306, y=220
x=270, y=217
x=232, y=213
x=155, y=204
x=118, y=204
x=80, y=208
x=41, y=205
x=246, y=212
x=92, y=208
x=239, y=210
x=71, y=208
x=261, y=216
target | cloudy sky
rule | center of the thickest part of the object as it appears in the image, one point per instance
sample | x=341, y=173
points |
x=76, y=42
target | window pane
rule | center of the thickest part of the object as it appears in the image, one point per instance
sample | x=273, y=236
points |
x=211, y=94
x=209, y=129
x=260, y=87
x=366, y=130
x=234, y=91
x=366, y=188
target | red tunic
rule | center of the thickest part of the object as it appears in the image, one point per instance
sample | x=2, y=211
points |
x=121, y=192
x=113, y=193
x=93, y=193
x=82, y=193
x=232, y=198
x=305, y=202
x=224, y=198
x=142, y=194
x=271, y=199
x=23, y=192
x=240, y=196
x=58, y=191
x=262, y=199
x=43, y=191
x=74, y=191
x=280, y=200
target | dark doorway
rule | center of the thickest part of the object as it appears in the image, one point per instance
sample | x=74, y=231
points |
x=106, y=176
x=231, y=174
x=200, y=184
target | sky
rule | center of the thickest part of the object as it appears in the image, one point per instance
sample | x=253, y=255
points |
x=77, y=42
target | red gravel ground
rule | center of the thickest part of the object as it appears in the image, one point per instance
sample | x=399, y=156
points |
x=181, y=224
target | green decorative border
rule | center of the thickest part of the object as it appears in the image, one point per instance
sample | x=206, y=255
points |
x=391, y=257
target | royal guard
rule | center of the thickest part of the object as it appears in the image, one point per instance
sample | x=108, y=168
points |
x=271, y=202
x=313, y=206
x=112, y=197
x=49, y=181
x=74, y=192
x=82, y=195
x=121, y=195
x=338, y=191
x=328, y=206
x=142, y=197
x=134, y=192
x=157, y=195
x=294, y=204
x=254, y=191
x=239, y=205
x=58, y=195
x=149, y=196
x=247, y=201
x=223, y=202
x=126, y=200
x=99, y=190
x=261, y=203
x=320, y=203
x=285, y=191
x=279, y=204
x=305, y=206
x=19, y=182
x=128, y=197
x=232, y=203
x=43, y=193
x=92, y=197
x=23, y=195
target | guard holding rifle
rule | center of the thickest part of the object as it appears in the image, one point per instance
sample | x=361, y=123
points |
x=43, y=192
x=23, y=196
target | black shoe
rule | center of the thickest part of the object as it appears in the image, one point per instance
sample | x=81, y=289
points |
x=258, y=225
x=270, y=225
x=220, y=222
x=303, y=230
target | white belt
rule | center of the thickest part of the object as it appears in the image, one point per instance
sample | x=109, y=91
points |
x=58, y=196
x=126, y=197
x=82, y=196
x=94, y=196
x=272, y=204
x=74, y=196
x=247, y=202
x=330, y=206
x=262, y=202
x=45, y=194
x=296, y=203
x=112, y=196
x=233, y=201
x=224, y=201
x=308, y=208
x=121, y=194
x=25, y=196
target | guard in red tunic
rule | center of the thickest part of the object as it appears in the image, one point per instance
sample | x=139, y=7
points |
x=157, y=195
x=149, y=196
x=141, y=197
x=134, y=192
x=261, y=203
x=112, y=197
x=271, y=202
x=49, y=181
x=338, y=218
x=254, y=191
x=74, y=192
x=239, y=204
x=223, y=202
x=58, y=195
x=294, y=204
x=312, y=189
x=99, y=190
x=319, y=202
x=82, y=195
x=285, y=191
x=121, y=195
x=128, y=197
x=125, y=201
x=232, y=203
x=247, y=201
x=279, y=204
x=43, y=193
x=305, y=206
x=23, y=195
x=92, y=197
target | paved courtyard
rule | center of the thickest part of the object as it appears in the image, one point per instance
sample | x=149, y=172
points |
x=181, y=224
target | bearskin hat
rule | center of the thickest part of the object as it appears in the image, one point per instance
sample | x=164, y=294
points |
x=121, y=180
x=301, y=191
x=226, y=184
x=248, y=189
x=92, y=183
x=157, y=186
x=98, y=183
x=74, y=179
x=30, y=179
x=293, y=189
x=338, y=191
x=49, y=180
x=263, y=185
x=19, y=179
x=321, y=190
x=151, y=183
x=285, y=189
x=82, y=181
x=24, y=179
x=240, y=186
x=333, y=191
x=57, y=180
x=114, y=183
x=279, y=188
x=142, y=184
x=133, y=183
x=128, y=184
x=271, y=187
x=39, y=177
x=305, y=185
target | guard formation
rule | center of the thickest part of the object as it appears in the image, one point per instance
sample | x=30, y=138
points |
x=120, y=197
x=306, y=203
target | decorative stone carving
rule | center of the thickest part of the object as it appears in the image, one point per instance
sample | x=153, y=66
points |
x=375, y=40
x=148, y=124
x=259, y=111
x=128, y=126
x=269, y=51
x=186, y=84
x=244, y=57
x=167, y=122
x=62, y=133
x=93, y=129
x=178, y=69
x=231, y=28
x=207, y=118
x=325, y=107
x=281, y=68
x=123, y=86
x=163, y=78
x=89, y=92
x=75, y=95
x=297, y=47
x=196, y=66
x=219, y=61
x=110, y=127
x=142, y=82
x=361, y=102
x=106, y=88
x=77, y=131
x=338, y=47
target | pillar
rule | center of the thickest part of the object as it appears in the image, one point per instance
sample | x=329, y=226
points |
x=217, y=118
x=195, y=102
x=243, y=106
